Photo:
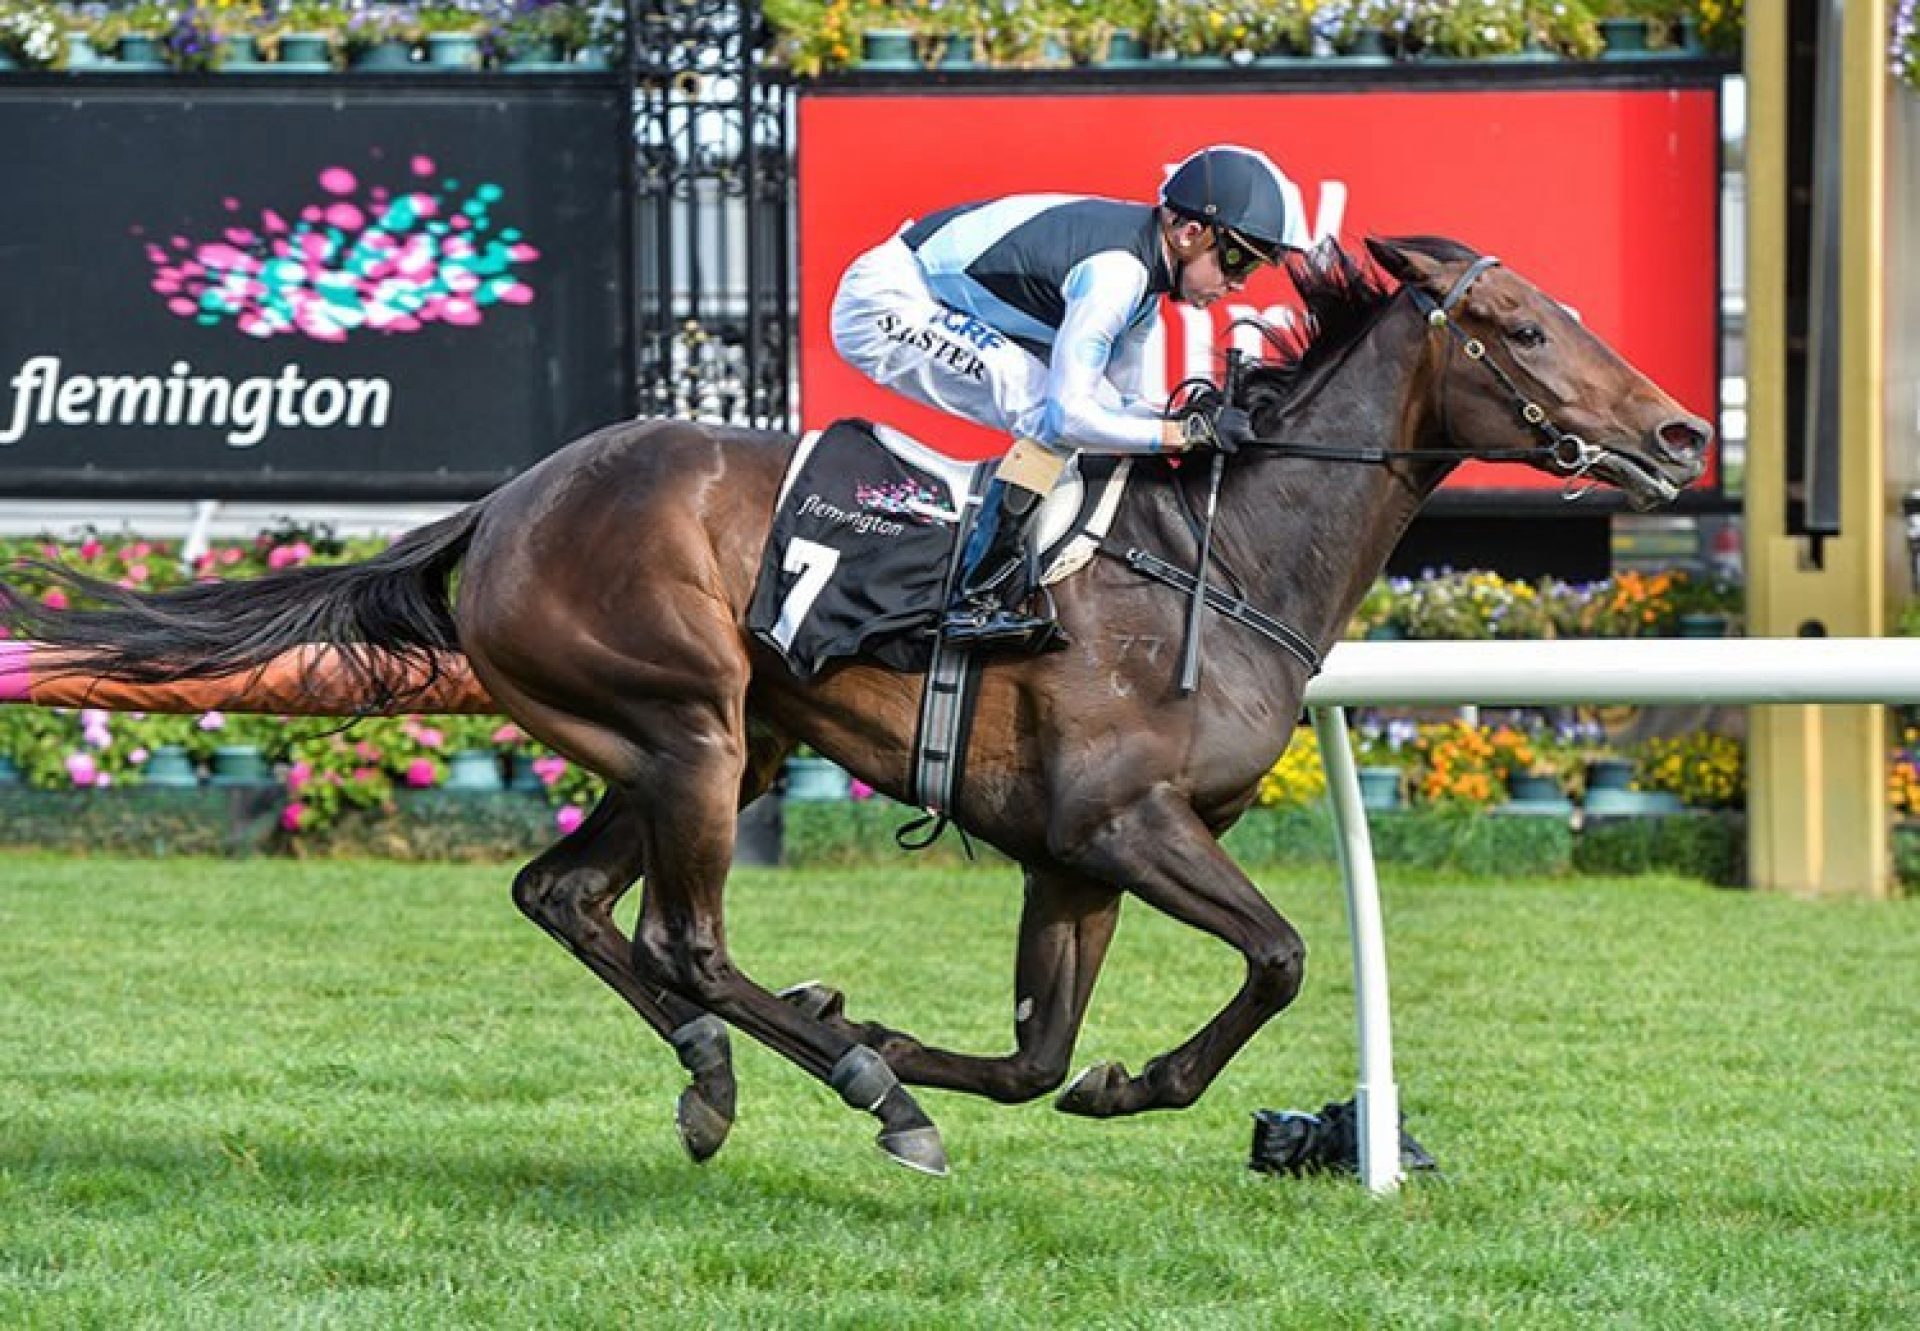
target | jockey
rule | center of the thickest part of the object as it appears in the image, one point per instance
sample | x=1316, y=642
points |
x=1030, y=314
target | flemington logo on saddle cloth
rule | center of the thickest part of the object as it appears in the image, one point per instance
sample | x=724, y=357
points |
x=863, y=537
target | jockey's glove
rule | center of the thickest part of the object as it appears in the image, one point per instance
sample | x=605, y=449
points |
x=1232, y=429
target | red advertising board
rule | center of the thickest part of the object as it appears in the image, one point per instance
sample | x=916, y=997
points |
x=1606, y=197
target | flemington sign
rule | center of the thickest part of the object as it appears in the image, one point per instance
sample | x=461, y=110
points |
x=241, y=413
x=267, y=291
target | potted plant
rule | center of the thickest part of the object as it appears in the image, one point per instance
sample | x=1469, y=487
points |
x=132, y=36
x=811, y=38
x=475, y=754
x=1705, y=604
x=450, y=33
x=1085, y=29
x=1189, y=30
x=938, y=32
x=1702, y=769
x=32, y=35
x=1383, y=752
x=1370, y=30
x=1282, y=30
x=1472, y=29
x=1567, y=27
x=194, y=43
x=380, y=37
x=305, y=35
x=1382, y=612
x=539, y=34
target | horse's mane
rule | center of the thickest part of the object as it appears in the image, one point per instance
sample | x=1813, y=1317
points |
x=1344, y=294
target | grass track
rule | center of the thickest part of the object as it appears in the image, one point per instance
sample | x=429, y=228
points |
x=283, y=1095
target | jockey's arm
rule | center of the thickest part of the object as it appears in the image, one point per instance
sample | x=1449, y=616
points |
x=1084, y=407
x=1127, y=371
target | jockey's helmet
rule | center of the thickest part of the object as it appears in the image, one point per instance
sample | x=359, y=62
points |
x=1241, y=191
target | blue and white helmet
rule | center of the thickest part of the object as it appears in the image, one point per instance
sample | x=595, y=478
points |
x=1242, y=190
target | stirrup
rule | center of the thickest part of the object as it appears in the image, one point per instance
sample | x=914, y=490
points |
x=967, y=627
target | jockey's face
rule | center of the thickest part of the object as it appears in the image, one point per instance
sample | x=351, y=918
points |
x=1203, y=278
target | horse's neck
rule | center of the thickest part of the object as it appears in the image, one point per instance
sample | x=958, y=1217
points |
x=1312, y=536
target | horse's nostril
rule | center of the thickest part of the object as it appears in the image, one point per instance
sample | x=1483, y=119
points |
x=1685, y=434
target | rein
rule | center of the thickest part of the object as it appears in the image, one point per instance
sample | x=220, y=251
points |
x=1566, y=453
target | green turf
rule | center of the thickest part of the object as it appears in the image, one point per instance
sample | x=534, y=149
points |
x=280, y=1095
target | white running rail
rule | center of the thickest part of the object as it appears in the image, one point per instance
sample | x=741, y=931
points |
x=1518, y=674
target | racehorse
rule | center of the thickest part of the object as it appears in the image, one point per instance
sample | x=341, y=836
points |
x=601, y=598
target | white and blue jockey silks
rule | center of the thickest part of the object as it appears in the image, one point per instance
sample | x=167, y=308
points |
x=1028, y=314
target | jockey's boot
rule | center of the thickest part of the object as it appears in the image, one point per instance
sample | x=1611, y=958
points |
x=978, y=614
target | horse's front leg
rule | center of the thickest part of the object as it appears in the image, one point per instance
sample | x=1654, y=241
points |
x=1066, y=926
x=1168, y=858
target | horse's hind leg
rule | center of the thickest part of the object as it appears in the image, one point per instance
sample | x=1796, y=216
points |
x=570, y=891
x=1066, y=926
x=685, y=782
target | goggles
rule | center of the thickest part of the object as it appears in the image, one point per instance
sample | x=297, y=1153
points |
x=1239, y=256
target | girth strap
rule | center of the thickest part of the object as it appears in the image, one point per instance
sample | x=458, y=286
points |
x=1233, y=607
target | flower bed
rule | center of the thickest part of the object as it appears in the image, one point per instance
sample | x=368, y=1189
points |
x=812, y=37
x=324, y=777
x=206, y=36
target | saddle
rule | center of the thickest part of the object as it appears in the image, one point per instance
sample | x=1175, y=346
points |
x=866, y=535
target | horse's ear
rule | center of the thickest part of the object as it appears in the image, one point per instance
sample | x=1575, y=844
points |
x=1409, y=266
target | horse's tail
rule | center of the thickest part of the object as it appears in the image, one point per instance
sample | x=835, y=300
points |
x=388, y=618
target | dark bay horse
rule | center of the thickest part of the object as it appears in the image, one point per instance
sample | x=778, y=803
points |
x=601, y=598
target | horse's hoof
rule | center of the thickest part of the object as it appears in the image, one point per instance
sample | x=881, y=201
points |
x=816, y=1000
x=703, y=1129
x=917, y=1148
x=1092, y=1093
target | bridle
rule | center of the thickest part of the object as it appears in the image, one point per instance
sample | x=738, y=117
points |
x=1563, y=452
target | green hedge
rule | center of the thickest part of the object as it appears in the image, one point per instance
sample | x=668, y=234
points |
x=1709, y=846
x=512, y=827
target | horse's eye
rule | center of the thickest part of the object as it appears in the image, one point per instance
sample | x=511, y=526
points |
x=1527, y=336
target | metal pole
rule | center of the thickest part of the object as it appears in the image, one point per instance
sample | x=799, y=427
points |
x=1377, y=1100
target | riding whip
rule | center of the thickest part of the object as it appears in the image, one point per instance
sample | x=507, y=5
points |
x=1190, y=658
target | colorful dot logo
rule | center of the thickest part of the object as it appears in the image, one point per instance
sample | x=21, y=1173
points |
x=360, y=259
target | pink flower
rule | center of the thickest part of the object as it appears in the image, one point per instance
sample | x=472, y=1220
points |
x=420, y=773
x=549, y=769
x=299, y=775
x=508, y=734
x=365, y=773
x=430, y=737
x=55, y=599
x=568, y=817
x=366, y=750
x=291, y=816
x=212, y=721
x=137, y=572
x=90, y=548
x=82, y=769
x=286, y=556
x=859, y=790
x=233, y=554
x=139, y=756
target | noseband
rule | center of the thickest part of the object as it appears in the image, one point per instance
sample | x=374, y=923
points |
x=1567, y=453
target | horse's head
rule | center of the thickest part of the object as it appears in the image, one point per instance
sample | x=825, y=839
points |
x=1520, y=372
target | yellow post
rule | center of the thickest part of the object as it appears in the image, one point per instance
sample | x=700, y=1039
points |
x=1817, y=803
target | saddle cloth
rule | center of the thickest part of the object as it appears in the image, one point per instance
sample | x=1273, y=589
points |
x=864, y=539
